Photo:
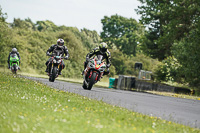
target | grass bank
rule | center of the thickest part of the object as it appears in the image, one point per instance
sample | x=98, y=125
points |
x=28, y=106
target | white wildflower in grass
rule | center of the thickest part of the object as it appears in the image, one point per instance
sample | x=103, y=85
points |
x=15, y=127
x=25, y=126
x=21, y=117
x=153, y=125
x=99, y=126
x=4, y=115
x=33, y=128
x=55, y=110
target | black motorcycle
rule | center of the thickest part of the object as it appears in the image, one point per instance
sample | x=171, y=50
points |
x=54, y=66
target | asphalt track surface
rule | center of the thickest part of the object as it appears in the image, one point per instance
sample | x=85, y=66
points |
x=179, y=110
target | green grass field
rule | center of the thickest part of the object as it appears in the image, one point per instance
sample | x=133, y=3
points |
x=28, y=106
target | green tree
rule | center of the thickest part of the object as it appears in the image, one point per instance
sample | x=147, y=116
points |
x=122, y=32
x=5, y=37
x=187, y=52
x=18, y=23
x=155, y=15
x=93, y=39
x=46, y=26
x=167, y=21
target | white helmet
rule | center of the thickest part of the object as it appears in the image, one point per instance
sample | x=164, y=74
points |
x=60, y=42
x=14, y=50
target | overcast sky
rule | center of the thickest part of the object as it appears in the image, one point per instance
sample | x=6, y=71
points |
x=76, y=13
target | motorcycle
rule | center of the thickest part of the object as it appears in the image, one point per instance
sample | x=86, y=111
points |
x=54, y=66
x=93, y=72
x=14, y=63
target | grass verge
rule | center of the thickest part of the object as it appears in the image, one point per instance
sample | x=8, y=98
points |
x=28, y=106
x=170, y=94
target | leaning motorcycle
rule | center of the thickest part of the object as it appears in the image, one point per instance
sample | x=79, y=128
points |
x=54, y=66
x=93, y=72
x=14, y=63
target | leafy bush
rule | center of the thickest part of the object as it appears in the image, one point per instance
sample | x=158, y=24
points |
x=168, y=70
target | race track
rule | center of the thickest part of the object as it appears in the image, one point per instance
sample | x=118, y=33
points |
x=183, y=111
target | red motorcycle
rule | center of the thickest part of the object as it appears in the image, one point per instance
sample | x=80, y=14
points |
x=93, y=72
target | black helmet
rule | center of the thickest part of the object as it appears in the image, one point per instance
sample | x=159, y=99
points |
x=60, y=42
x=14, y=50
x=103, y=47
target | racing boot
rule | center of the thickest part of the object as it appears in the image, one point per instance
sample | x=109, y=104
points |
x=47, y=69
x=59, y=73
x=82, y=73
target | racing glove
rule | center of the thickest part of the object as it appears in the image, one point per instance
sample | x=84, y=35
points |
x=48, y=54
x=87, y=59
x=108, y=65
x=66, y=57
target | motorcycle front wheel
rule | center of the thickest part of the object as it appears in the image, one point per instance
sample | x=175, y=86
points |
x=14, y=69
x=53, y=75
x=92, y=81
x=84, y=85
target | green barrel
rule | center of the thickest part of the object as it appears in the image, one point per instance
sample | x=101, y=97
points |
x=111, y=82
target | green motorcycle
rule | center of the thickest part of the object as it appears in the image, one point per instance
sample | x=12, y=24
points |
x=14, y=63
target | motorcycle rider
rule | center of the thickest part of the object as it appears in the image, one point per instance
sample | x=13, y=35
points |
x=102, y=49
x=14, y=51
x=62, y=50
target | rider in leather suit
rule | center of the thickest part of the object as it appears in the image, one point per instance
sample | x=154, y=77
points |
x=62, y=50
x=14, y=51
x=101, y=50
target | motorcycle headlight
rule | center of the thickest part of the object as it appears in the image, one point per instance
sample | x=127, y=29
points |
x=54, y=61
x=97, y=65
x=58, y=61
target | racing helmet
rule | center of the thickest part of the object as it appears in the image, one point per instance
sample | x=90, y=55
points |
x=14, y=50
x=60, y=42
x=103, y=47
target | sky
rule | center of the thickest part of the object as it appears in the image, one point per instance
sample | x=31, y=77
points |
x=71, y=13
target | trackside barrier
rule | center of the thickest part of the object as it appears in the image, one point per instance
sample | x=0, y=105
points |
x=125, y=82
x=129, y=83
x=144, y=75
x=111, y=82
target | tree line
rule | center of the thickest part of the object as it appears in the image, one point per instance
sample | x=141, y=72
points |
x=165, y=40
